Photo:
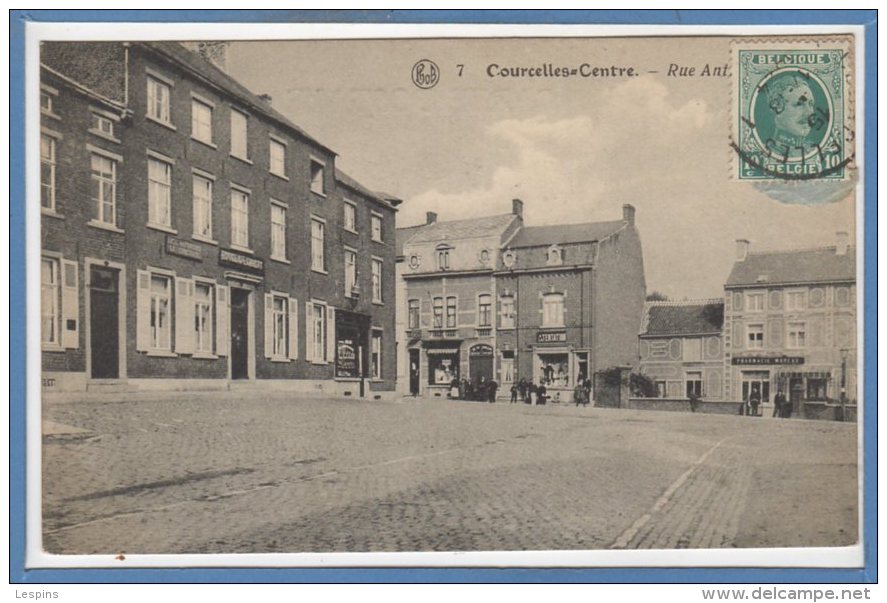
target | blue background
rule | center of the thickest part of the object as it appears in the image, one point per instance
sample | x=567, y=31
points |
x=17, y=572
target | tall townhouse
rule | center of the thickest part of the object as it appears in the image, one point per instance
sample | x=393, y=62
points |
x=681, y=348
x=570, y=299
x=491, y=298
x=790, y=324
x=449, y=294
x=194, y=237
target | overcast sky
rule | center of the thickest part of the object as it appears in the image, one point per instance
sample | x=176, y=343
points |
x=573, y=149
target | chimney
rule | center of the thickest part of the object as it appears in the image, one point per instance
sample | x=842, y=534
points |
x=215, y=52
x=741, y=249
x=517, y=208
x=266, y=98
x=843, y=241
x=430, y=217
x=628, y=213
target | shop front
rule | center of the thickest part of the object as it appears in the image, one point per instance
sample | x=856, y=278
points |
x=352, y=344
x=558, y=366
x=443, y=367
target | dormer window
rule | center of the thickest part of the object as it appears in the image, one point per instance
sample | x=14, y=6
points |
x=555, y=256
x=443, y=257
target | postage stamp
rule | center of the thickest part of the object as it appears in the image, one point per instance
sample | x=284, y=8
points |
x=794, y=111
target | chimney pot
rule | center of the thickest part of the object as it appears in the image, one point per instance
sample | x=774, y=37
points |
x=265, y=98
x=430, y=217
x=843, y=241
x=628, y=213
x=741, y=249
x=517, y=208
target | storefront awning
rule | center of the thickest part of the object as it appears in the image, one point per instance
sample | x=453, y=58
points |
x=447, y=351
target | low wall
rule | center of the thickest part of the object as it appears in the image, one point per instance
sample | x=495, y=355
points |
x=824, y=411
x=683, y=405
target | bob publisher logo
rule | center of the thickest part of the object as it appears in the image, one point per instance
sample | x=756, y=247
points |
x=425, y=74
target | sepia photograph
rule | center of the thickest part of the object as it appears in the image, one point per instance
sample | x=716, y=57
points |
x=561, y=296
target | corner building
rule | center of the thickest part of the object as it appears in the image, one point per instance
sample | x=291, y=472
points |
x=492, y=298
x=194, y=237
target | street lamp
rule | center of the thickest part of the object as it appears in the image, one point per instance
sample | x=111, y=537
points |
x=844, y=352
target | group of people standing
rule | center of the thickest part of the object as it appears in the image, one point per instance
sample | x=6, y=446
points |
x=482, y=391
x=782, y=407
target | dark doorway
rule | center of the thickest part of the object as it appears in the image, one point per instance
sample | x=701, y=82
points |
x=239, y=333
x=480, y=363
x=795, y=393
x=414, y=372
x=104, y=328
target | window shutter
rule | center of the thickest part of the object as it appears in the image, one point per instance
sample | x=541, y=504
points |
x=330, y=334
x=293, y=324
x=70, y=327
x=184, y=316
x=222, y=314
x=309, y=333
x=269, y=326
x=143, y=310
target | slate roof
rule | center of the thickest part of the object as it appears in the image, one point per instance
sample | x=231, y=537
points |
x=536, y=236
x=463, y=229
x=402, y=235
x=354, y=184
x=218, y=77
x=798, y=266
x=693, y=317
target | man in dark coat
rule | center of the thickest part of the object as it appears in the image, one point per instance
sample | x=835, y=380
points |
x=492, y=386
x=779, y=404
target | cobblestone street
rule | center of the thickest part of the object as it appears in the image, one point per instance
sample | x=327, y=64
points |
x=228, y=472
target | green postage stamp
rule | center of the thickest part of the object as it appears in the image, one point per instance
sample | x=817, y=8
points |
x=793, y=110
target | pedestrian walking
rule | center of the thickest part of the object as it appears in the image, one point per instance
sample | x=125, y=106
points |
x=778, y=404
x=588, y=392
x=492, y=386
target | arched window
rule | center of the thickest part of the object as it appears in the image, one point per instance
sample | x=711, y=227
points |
x=555, y=256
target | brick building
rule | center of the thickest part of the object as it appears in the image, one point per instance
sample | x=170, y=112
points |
x=193, y=236
x=790, y=324
x=680, y=347
x=492, y=298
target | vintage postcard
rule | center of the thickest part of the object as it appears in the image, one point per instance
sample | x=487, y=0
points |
x=446, y=296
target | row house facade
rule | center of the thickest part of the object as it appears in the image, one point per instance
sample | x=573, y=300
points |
x=790, y=324
x=504, y=301
x=192, y=236
x=681, y=349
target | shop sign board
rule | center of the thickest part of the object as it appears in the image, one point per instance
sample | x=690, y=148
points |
x=185, y=249
x=767, y=360
x=551, y=336
x=239, y=260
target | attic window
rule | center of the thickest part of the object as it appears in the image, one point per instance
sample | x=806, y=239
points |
x=555, y=256
x=443, y=257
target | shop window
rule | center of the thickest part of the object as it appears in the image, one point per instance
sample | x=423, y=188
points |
x=47, y=172
x=202, y=191
x=442, y=368
x=239, y=127
x=239, y=218
x=693, y=384
x=104, y=189
x=451, y=312
x=755, y=336
x=413, y=314
x=506, y=315
x=159, y=193
x=817, y=389
x=554, y=369
x=376, y=355
x=201, y=121
x=484, y=305
x=553, y=310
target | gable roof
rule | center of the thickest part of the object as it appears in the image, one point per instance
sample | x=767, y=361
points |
x=351, y=183
x=402, y=235
x=211, y=72
x=794, y=266
x=692, y=317
x=535, y=236
x=470, y=228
